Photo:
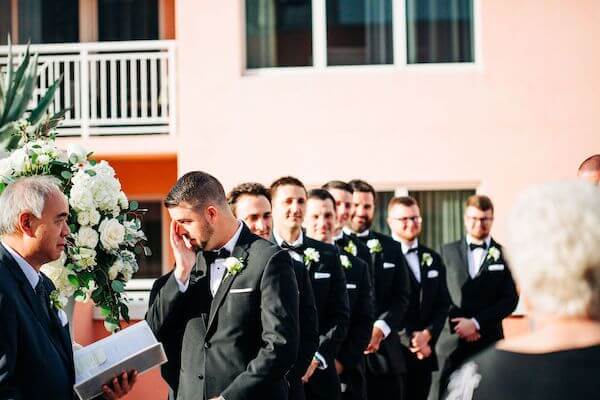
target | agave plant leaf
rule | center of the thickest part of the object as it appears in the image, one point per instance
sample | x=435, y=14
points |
x=7, y=133
x=14, y=86
x=25, y=92
x=9, y=66
x=38, y=112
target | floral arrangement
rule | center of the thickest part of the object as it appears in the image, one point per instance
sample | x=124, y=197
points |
x=105, y=226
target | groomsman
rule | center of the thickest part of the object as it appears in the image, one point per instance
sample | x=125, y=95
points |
x=251, y=202
x=328, y=282
x=429, y=301
x=342, y=193
x=234, y=292
x=386, y=367
x=590, y=169
x=481, y=287
x=319, y=221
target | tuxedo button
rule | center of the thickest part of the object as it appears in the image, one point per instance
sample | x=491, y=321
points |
x=200, y=376
x=207, y=345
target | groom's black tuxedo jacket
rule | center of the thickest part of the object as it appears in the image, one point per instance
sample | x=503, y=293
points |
x=36, y=355
x=392, y=291
x=241, y=343
x=489, y=297
x=429, y=304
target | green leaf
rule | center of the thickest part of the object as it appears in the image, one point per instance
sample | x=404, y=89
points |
x=25, y=92
x=124, y=311
x=79, y=295
x=118, y=286
x=73, y=228
x=73, y=280
x=92, y=162
x=90, y=172
x=66, y=175
x=105, y=311
x=137, y=250
x=45, y=101
x=133, y=205
x=14, y=85
x=73, y=159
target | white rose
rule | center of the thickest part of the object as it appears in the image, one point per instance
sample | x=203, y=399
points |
x=19, y=160
x=6, y=169
x=81, y=198
x=104, y=169
x=114, y=269
x=123, y=202
x=77, y=151
x=105, y=191
x=112, y=233
x=86, y=237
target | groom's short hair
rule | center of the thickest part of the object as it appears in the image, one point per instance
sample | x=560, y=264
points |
x=198, y=189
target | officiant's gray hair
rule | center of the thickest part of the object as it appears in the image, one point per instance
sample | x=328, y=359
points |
x=553, y=239
x=25, y=195
x=198, y=189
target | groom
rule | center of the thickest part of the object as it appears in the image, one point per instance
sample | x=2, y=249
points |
x=232, y=294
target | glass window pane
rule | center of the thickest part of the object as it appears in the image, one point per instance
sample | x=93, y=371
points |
x=359, y=32
x=5, y=21
x=151, y=266
x=127, y=20
x=439, y=31
x=54, y=21
x=278, y=33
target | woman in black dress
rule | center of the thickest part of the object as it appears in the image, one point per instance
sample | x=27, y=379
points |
x=554, y=249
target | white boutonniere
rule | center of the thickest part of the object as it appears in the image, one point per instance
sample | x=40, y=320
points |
x=351, y=248
x=426, y=260
x=494, y=253
x=346, y=263
x=311, y=255
x=56, y=300
x=374, y=246
x=233, y=265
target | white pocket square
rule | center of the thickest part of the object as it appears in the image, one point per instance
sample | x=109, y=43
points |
x=432, y=274
x=496, y=267
x=387, y=265
x=322, y=275
x=245, y=290
x=350, y=286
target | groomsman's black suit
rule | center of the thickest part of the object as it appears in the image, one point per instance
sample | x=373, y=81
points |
x=362, y=316
x=36, y=354
x=362, y=251
x=241, y=343
x=331, y=299
x=489, y=298
x=385, y=369
x=428, y=309
x=309, y=331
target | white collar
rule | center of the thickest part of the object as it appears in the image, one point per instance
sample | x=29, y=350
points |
x=338, y=237
x=33, y=276
x=349, y=231
x=230, y=245
x=297, y=243
x=405, y=246
x=487, y=240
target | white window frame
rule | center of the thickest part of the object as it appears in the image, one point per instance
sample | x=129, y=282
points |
x=400, y=56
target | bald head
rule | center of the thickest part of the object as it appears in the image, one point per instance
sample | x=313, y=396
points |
x=590, y=169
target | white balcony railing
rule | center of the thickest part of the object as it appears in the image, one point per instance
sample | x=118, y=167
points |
x=109, y=88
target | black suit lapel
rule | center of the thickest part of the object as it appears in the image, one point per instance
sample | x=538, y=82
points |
x=240, y=251
x=463, y=273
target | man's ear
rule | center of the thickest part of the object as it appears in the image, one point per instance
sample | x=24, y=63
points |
x=211, y=213
x=26, y=222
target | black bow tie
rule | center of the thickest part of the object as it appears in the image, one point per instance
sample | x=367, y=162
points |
x=285, y=245
x=474, y=246
x=211, y=256
x=413, y=250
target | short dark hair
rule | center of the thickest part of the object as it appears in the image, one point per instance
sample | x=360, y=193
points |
x=592, y=163
x=480, y=202
x=284, y=181
x=247, y=189
x=363, y=187
x=321, y=194
x=340, y=185
x=198, y=189
x=407, y=201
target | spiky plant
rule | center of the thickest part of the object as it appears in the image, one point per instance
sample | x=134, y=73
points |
x=16, y=91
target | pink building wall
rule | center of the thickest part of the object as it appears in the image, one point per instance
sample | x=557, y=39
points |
x=526, y=112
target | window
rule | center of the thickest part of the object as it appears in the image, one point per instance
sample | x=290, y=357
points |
x=442, y=212
x=278, y=33
x=321, y=33
x=41, y=21
x=439, y=31
x=359, y=32
x=5, y=21
x=127, y=20
x=151, y=266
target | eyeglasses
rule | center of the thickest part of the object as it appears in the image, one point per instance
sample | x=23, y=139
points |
x=416, y=219
x=484, y=220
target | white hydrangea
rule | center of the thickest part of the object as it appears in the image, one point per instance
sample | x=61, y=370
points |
x=117, y=267
x=123, y=201
x=105, y=190
x=112, y=233
x=81, y=198
x=88, y=217
x=86, y=237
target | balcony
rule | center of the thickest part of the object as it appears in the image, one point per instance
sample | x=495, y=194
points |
x=109, y=88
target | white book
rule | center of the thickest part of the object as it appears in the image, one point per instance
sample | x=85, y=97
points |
x=132, y=348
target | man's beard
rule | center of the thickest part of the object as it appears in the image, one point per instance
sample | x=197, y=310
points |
x=361, y=227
